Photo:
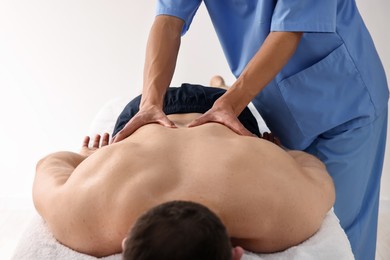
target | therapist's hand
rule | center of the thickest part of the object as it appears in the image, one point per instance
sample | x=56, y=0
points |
x=223, y=115
x=146, y=116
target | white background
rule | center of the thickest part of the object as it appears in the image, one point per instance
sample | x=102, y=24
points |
x=61, y=61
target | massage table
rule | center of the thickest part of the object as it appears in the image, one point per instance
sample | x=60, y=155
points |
x=37, y=243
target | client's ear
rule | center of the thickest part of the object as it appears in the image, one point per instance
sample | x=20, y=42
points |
x=237, y=253
x=124, y=243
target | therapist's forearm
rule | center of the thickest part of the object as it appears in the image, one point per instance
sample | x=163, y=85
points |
x=160, y=61
x=274, y=54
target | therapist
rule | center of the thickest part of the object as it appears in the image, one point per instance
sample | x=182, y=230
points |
x=312, y=71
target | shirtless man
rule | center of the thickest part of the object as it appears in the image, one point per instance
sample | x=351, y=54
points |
x=268, y=199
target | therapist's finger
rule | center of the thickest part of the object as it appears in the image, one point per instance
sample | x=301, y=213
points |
x=237, y=127
x=229, y=121
x=200, y=121
x=125, y=132
x=139, y=121
x=164, y=121
x=128, y=129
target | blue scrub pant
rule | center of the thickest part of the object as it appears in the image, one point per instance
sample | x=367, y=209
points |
x=354, y=159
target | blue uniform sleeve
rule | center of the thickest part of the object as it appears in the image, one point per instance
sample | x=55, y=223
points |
x=304, y=16
x=183, y=9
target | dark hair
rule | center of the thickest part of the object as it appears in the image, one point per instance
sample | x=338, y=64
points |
x=178, y=230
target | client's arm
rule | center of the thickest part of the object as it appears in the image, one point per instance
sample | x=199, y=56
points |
x=313, y=168
x=316, y=170
x=301, y=213
x=53, y=171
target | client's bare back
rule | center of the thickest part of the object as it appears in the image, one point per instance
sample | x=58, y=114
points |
x=268, y=199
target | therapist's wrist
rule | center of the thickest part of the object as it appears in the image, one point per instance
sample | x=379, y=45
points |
x=152, y=97
x=150, y=102
x=235, y=100
x=230, y=103
x=149, y=106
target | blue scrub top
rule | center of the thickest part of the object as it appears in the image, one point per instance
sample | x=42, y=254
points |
x=334, y=79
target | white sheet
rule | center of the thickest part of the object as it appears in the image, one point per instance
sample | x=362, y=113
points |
x=37, y=243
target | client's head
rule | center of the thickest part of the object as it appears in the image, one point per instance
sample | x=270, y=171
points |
x=179, y=230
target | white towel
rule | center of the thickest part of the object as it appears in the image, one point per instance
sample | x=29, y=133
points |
x=330, y=242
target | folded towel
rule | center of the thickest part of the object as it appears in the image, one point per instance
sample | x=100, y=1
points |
x=330, y=242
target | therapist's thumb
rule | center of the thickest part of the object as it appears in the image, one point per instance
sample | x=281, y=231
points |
x=166, y=122
x=199, y=121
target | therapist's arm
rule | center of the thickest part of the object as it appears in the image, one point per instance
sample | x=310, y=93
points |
x=273, y=55
x=160, y=62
